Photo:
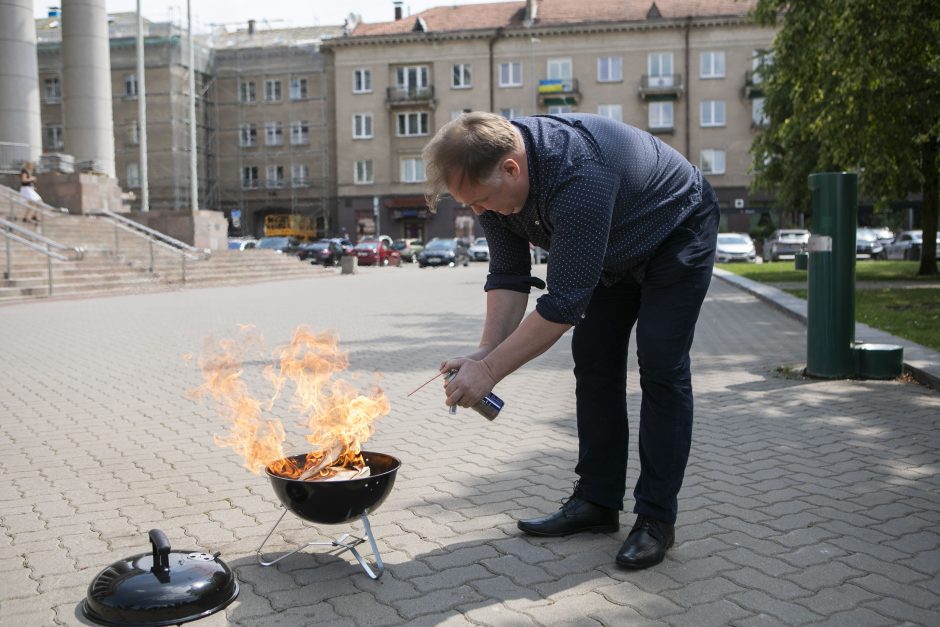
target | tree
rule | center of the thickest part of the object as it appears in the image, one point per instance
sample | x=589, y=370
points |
x=854, y=85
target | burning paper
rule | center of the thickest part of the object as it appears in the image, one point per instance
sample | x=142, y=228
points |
x=337, y=418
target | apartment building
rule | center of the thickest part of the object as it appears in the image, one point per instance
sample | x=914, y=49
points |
x=681, y=69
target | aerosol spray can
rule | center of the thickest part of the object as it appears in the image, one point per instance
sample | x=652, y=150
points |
x=488, y=406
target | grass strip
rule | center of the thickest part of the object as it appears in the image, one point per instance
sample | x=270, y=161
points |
x=865, y=270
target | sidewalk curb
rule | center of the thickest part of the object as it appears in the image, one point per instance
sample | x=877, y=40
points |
x=922, y=363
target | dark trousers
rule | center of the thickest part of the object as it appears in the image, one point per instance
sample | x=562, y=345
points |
x=664, y=304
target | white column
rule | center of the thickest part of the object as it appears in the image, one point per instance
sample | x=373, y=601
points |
x=19, y=79
x=86, y=83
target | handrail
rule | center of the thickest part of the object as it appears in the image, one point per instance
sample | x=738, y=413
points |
x=41, y=207
x=184, y=250
x=14, y=233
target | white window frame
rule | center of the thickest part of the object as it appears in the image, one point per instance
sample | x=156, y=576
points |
x=711, y=64
x=300, y=175
x=758, y=118
x=133, y=176
x=299, y=133
x=53, y=136
x=363, y=172
x=657, y=115
x=556, y=109
x=560, y=69
x=511, y=113
x=416, y=123
x=609, y=69
x=272, y=90
x=612, y=111
x=408, y=74
x=510, y=74
x=52, y=90
x=659, y=66
x=712, y=161
x=274, y=176
x=362, y=80
x=412, y=170
x=133, y=133
x=298, y=88
x=246, y=92
x=712, y=113
x=362, y=126
x=247, y=135
x=250, y=177
x=461, y=76
x=273, y=134
x=130, y=86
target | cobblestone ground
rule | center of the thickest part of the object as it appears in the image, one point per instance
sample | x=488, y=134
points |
x=805, y=501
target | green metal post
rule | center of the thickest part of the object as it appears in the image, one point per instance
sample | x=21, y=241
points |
x=830, y=332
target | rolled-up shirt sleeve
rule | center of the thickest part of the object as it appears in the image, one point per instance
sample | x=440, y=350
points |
x=580, y=211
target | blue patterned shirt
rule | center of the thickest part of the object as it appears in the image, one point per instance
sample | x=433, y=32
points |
x=602, y=196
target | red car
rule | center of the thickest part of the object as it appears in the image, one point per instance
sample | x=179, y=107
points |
x=376, y=253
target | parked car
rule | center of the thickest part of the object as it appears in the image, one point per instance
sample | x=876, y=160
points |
x=404, y=249
x=784, y=242
x=735, y=247
x=906, y=246
x=867, y=245
x=542, y=256
x=344, y=243
x=242, y=243
x=381, y=238
x=376, y=253
x=286, y=245
x=325, y=251
x=479, y=250
x=444, y=252
x=884, y=234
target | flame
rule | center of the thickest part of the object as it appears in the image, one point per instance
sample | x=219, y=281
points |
x=337, y=418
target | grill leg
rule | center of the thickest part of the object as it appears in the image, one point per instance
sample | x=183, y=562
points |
x=373, y=571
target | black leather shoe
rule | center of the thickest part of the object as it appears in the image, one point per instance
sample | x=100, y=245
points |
x=576, y=515
x=647, y=543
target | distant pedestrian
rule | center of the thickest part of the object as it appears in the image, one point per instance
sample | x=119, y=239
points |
x=631, y=227
x=28, y=192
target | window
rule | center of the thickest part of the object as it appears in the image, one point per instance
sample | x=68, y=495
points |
x=362, y=126
x=559, y=68
x=274, y=176
x=758, y=59
x=299, y=133
x=272, y=90
x=556, y=109
x=461, y=77
x=659, y=65
x=52, y=90
x=713, y=161
x=130, y=86
x=510, y=114
x=250, y=177
x=414, y=123
x=609, y=69
x=510, y=75
x=298, y=88
x=614, y=112
x=362, y=81
x=412, y=78
x=273, y=134
x=133, y=175
x=247, y=135
x=757, y=112
x=133, y=133
x=363, y=175
x=300, y=174
x=660, y=115
x=53, y=136
x=246, y=92
x=712, y=65
x=712, y=112
x=412, y=170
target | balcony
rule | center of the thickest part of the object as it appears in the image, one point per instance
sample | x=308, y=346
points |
x=558, y=92
x=410, y=97
x=753, y=87
x=666, y=87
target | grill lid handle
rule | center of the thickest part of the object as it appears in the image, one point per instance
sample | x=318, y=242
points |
x=161, y=552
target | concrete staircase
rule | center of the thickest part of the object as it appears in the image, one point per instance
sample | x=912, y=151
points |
x=118, y=262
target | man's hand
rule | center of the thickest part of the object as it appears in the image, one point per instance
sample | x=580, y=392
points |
x=473, y=381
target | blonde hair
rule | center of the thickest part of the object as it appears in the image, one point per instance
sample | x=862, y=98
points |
x=472, y=146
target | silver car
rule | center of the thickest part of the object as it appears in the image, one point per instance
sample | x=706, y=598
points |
x=785, y=243
x=906, y=246
x=479, y=250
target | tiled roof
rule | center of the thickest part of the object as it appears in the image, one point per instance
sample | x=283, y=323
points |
x=552, y=12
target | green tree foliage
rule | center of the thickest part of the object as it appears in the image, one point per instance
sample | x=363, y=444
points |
x=853, y=85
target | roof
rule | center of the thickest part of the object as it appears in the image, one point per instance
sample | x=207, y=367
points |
x=552, y=12
x=261, y=38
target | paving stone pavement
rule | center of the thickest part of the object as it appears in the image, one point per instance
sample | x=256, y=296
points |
x=805, y=501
